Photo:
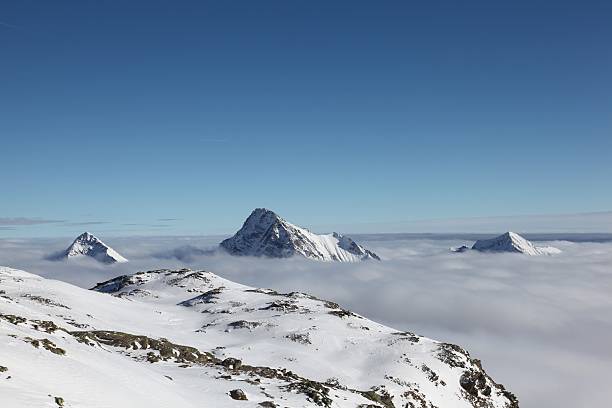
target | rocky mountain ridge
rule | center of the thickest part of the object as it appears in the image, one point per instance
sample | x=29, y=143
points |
x=509, y=242
x=264, y=233
x=185, y=338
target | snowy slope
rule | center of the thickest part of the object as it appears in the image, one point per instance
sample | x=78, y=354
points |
x=87, y=244
x=188, y=338
x=264, y=233
x=512, y=242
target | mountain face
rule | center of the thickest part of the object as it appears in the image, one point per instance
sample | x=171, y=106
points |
x=183, y=338
x=87, y=244
x=512, y=242
x=264, y=233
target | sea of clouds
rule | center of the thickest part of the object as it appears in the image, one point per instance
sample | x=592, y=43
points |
x=541, y=325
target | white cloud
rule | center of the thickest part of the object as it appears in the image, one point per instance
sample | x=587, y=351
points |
x=541, y=325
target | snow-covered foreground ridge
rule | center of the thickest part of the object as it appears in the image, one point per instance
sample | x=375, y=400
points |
x=191, y=339
x=265, y=233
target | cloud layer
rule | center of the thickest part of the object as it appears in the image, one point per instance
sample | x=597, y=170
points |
x=541, y=325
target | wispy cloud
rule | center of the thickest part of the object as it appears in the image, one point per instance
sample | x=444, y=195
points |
x=7, y=25
x=213, y=140
x=155, y=225
x=168, y=219
x=27, y=221
x=86, y=223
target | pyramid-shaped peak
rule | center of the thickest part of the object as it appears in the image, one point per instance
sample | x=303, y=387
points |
x=262, y=216
x=87, y=236
x=88, y=244
x=511, y=237
x=263, y=212
x=511, y=242
x=261, y=219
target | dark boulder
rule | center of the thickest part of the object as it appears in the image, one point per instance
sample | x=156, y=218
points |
x=238, y=395
x=232, y=363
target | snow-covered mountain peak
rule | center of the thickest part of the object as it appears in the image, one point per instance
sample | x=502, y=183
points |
x=87, y=236
x=265, y=233
x=88, y=244
x=261, y=219
x=512, y=242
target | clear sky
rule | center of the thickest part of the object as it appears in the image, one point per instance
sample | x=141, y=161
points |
x=181, y=116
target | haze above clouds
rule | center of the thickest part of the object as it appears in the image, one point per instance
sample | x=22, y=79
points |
x=590, y=222
x=540, y=324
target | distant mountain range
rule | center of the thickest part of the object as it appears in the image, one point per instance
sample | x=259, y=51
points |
x=265, y=234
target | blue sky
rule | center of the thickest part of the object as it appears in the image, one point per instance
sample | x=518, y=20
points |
x=164, y=117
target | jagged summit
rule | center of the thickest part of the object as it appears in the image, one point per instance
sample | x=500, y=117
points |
x=88, y=244
x=512, y=242
x=265, y=233
x=351, y=246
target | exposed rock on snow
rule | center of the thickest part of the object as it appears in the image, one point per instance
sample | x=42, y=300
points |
x=264, y=233
x=87, y=244
x=512, y=242
x=145, y=344
x=462, y=248
x=238, y=394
